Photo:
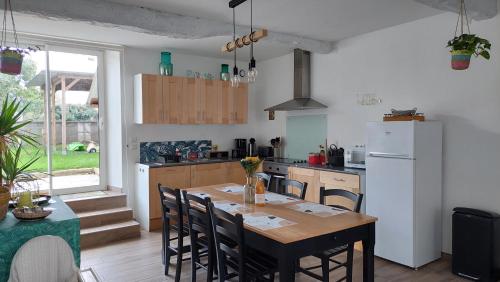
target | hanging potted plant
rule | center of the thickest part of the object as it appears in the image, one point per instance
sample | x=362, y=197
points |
x=11, y=58
x=466, y=44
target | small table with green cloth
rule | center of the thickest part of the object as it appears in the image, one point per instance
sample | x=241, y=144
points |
x=63, y=222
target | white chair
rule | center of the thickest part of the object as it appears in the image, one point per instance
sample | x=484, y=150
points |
x=44, y=259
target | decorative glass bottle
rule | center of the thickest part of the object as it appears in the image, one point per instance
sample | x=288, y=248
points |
x=224, y=72
x=260, y=193
x=249, y=190
x=166, y=66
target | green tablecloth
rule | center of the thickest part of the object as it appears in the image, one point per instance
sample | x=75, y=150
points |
x=62, y=222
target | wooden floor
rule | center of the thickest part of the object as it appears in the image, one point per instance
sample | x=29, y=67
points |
x=139, y=260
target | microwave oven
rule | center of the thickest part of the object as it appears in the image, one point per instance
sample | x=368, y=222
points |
x=355, y=157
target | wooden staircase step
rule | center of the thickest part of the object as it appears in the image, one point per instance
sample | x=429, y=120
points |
x=103, y=217
x=95, y=236
x=109, y=201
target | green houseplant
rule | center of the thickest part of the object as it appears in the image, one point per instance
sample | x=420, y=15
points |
x=464, y=46
x=11, y=58
x=12, y=135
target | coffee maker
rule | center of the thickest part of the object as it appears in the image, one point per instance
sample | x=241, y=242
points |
x=252, y=148
x=240, y=150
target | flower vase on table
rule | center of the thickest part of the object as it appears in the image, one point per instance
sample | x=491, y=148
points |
x=249, y=190
x=250, y=165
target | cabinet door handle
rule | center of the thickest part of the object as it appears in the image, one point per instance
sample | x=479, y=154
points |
x=339, y=179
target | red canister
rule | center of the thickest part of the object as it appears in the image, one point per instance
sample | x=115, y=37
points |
x=314, y=158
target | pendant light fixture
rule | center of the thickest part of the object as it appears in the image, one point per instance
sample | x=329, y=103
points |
x=252, y=71
x=235, y=80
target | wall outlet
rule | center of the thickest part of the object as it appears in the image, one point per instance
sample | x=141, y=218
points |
x=134, y=143
x=368, y=99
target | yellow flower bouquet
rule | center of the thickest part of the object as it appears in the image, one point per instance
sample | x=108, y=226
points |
x=250, y=165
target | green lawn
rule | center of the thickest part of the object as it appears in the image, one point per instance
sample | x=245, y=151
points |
x=60, y=161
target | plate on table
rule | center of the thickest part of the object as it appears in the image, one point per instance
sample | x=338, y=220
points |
x=31, y=214
x=42, y=201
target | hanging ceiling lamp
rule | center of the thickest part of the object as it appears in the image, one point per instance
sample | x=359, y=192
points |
x=248, y=39
x=235, y=80
x=252, y=71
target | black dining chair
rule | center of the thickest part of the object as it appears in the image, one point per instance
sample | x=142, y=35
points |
x=200, y=233
x=264, y=177
x=246, y=263
x=172, y=214
x=289, y=185
x=327, y=256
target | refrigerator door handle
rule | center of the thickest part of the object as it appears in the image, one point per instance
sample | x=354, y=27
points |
x=390, y=155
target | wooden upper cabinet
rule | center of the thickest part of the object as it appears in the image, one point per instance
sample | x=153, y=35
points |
x=190, y=108
x=182, y=100
x=172, y=99
x=240, y=104
x=210, y=99
x=148, y=99
x=226, y=102
x=234, y=103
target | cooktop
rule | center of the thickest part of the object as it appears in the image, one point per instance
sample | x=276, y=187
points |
x=286, y=161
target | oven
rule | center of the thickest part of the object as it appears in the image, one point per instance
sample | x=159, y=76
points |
x=278, y=171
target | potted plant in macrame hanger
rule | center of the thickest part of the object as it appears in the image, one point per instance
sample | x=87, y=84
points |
x=466, y=44
x=11, y=58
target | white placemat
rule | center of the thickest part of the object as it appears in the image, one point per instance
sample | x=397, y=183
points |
x=232, y=189
x=229, y=206
x=264, y=221
x=279, y=199
x=200, y=194
x=317, y=209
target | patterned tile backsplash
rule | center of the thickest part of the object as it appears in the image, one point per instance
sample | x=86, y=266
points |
x=150, y=151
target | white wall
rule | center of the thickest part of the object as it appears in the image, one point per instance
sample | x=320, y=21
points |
x=113, y=117
x=146, y=61
x=408, y=66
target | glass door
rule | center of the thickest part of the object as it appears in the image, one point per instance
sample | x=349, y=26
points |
x=76, y=136
x=61, y=89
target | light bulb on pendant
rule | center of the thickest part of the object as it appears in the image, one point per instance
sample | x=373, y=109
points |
x=252, y=71
x=235, y=80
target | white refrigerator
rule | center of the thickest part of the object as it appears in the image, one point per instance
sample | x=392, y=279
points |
x=404, y=190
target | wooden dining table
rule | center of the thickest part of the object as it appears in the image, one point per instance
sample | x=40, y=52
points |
x=303, y=235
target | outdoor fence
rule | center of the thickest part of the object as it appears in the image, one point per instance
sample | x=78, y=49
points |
x=76, y=131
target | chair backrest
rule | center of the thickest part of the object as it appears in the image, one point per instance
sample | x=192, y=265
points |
x=291, y=186
x=264, y=177
x=44, y=258
x=171, y=205
x=230, y=251
x=199, y=222
x=355, y=198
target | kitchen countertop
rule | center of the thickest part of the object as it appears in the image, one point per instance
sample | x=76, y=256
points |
x=356, y=171
x=197, y=162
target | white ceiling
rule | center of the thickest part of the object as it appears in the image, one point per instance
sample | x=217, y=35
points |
x=329, y=20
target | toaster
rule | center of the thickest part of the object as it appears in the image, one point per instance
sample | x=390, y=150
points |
x=355, y=157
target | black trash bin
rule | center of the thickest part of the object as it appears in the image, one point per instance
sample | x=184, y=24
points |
x=476, y=244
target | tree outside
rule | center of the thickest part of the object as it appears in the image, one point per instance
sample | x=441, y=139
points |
x=16, y=87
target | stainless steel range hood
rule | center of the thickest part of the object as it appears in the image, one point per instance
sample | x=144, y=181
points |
x=301, y=86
